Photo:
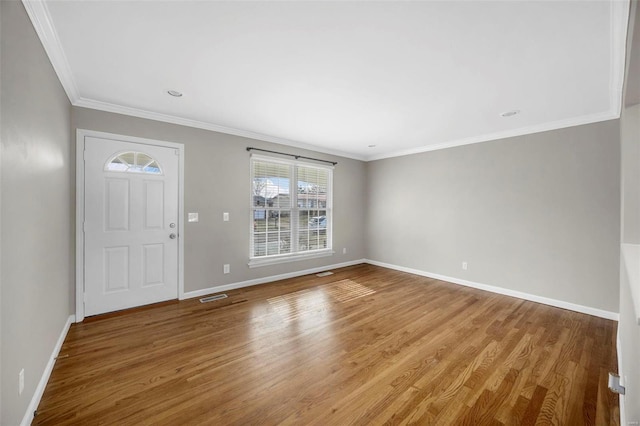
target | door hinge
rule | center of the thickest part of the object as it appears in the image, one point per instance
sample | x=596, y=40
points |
x=84, y=297
x=177, y=151
x=84, y=226
x=84, y=155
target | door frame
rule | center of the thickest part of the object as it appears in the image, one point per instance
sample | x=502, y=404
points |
x=81, y=134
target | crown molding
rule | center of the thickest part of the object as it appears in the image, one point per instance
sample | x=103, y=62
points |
x=41, y=20
x=538, y=128
x=619, y=16
x=150, y=115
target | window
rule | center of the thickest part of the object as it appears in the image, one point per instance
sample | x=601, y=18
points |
x=133, y=162
x=290, y=210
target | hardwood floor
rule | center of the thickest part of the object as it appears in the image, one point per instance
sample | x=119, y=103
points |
x=366, y=346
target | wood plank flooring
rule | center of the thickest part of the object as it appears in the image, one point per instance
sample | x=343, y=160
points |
x=365, y=346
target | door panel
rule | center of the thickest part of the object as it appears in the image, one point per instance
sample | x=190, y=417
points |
x=116, y=268
x=116, y=204
x=152, y=254
x=130, y=258
x=154, y=201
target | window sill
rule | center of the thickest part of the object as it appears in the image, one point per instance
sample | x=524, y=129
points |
x=258, y=262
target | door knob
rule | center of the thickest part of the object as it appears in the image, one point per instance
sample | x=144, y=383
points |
x=172, y=236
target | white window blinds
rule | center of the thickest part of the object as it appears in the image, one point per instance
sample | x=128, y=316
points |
x=290, y=208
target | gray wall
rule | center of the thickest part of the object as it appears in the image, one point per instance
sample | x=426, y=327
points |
x=630, y=155
x=37, y=250
x=537, y=213
x=217, y=181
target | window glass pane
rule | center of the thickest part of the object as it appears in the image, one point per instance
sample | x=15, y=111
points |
x=318, y=231
x=128, y=158
x=143, y=159
x=285, y=243
x=260, y=221
x=303, y=240
x=303, y=219
x=316, y=220
x=133, y=162
x=273, y=224
x=260, y=244
x=312, y=187
x=273, y=243
x=153, y=167
x=116, y=167
x=279, y=220
x=271, y=185
x=285, y=220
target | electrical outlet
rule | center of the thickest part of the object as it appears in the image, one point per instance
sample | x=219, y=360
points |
x=464, y=265
x=226, y=268
x=21, y=382
x=225, y=216
x=344, y=250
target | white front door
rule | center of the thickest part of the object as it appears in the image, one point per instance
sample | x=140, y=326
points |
x=130, y=224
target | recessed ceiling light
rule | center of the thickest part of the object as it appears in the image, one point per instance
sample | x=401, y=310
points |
x=510, y=113
x=371, y=146
x=174, y=93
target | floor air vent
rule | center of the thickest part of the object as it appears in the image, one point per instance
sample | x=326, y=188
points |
x=213, y=298
x=324, y=274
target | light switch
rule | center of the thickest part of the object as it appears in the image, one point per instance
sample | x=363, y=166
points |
x=193, y=217
x=225, y=216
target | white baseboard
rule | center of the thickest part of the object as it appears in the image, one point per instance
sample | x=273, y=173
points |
x=264, y=280
x=623, y=415
x=500, y=290
x=35, y=400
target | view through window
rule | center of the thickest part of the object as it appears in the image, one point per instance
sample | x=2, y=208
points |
x=290, y=207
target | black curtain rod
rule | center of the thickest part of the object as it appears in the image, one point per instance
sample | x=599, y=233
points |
x=291, y=155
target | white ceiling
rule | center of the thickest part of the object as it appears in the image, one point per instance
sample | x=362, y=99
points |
x=340, y=76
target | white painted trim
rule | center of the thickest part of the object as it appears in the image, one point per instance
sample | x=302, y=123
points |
x=81, y=134
x=507, y=292
x=264, y=280
x=544, y=127
x=623, y=415
x=41, y=20
x=141, y=113
x=79, y=225
x=258, y=262
x=619, y=9
x=42, y=384
x=619, y=17
x=631, y=262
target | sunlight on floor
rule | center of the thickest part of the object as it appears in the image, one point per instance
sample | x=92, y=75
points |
x=294, y=305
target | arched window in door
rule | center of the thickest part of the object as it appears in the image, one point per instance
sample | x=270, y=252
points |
x=133, y=162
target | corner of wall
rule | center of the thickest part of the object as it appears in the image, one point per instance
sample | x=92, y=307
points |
x=1, y=143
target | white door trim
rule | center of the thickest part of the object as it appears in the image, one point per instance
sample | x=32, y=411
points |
x=81, y=134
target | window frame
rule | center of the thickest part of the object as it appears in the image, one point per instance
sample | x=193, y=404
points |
x=132, y=168
x=256, y=261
